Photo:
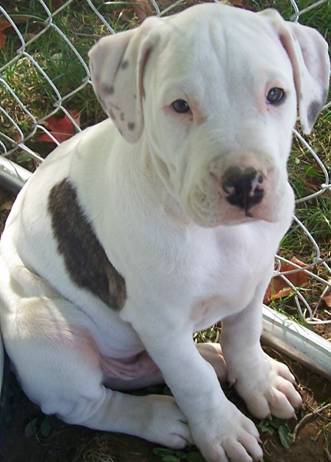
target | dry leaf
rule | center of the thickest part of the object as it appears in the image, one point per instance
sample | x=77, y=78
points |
x=6, y=206
x=298, y=278
x=4, y=25
x=327, y=300
x=278, y=288
x=142, y=10
x=61, y=128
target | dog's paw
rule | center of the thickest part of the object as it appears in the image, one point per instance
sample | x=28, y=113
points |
x=164, y=423
x=270, y=390
x=226, y=436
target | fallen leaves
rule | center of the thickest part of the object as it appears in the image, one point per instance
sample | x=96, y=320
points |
x=279, y=288
x=142, y=10
x=61, y=128
x=273, y=425
x=327, y=299
x=6, y=206
x=4, y=25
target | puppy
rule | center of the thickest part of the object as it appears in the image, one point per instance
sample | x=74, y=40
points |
x=159, y=222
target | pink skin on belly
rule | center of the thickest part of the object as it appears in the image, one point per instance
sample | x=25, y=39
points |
x=134, y=367
x=126, y=373
x=135, y=371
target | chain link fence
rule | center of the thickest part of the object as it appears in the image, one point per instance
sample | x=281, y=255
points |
x=44, y=74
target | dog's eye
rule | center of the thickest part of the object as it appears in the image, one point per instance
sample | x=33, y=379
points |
x=276, y=96
x=180, y=106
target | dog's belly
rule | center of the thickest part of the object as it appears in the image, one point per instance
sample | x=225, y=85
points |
x=130, y=373
x=128, y=368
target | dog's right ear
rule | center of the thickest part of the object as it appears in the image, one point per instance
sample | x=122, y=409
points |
x=117, y=65
x=308, y=53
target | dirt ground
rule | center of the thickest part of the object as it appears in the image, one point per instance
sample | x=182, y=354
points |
x=26, y=435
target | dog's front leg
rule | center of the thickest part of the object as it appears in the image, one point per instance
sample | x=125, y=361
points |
x=219, y=429
x=266, y=385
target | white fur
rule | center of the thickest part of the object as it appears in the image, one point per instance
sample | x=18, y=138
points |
x=188, y=257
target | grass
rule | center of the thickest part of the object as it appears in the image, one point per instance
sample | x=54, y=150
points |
x=82, y=27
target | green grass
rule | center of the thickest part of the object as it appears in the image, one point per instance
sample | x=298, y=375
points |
x=83, y=28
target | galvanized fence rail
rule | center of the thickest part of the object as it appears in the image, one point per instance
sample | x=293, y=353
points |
x=19, y=125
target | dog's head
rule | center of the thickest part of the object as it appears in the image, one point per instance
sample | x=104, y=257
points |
x=215, y=91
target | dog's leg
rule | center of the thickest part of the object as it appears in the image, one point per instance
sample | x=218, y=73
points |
x=265, y=384
x=212, y=353
x=217, y=426
x=58, y=365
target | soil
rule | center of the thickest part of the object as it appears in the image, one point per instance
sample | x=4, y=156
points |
x=6, y=202
x=324, y=330
x=26, y=435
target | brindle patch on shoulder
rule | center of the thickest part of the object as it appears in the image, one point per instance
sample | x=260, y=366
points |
x=83, y=255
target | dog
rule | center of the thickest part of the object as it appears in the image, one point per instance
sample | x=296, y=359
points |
x=160, y=221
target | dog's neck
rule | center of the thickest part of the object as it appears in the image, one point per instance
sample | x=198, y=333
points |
x=137, y=185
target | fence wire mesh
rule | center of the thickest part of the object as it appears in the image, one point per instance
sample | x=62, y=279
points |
x=44, y=77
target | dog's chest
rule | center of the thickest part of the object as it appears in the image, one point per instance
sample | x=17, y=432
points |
x=231, y=268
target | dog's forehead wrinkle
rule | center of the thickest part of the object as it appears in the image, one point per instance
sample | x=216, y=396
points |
x=228, y=54
x=217, y=20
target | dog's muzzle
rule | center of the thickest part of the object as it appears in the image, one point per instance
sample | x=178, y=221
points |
x=243, y=187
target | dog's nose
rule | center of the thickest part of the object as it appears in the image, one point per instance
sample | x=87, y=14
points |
x=243, y=187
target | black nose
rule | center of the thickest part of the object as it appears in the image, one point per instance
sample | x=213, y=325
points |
x=243, y=187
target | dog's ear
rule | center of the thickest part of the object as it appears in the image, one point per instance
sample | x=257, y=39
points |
x=117, y=64
x=308, y=53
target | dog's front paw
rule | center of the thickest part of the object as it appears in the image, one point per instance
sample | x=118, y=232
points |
x=164, y=423
x=269, y=390
x=227, y=435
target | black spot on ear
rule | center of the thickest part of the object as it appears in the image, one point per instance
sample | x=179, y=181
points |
x=124, y=64
x=313, y=111
x=109, y=89
x=131, y=125
x=83, y=255
x=122, y=116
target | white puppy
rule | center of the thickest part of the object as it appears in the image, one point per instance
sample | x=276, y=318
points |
x=139, y=231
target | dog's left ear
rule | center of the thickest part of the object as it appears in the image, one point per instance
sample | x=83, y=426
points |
x=117, y=65
x=308, y=53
